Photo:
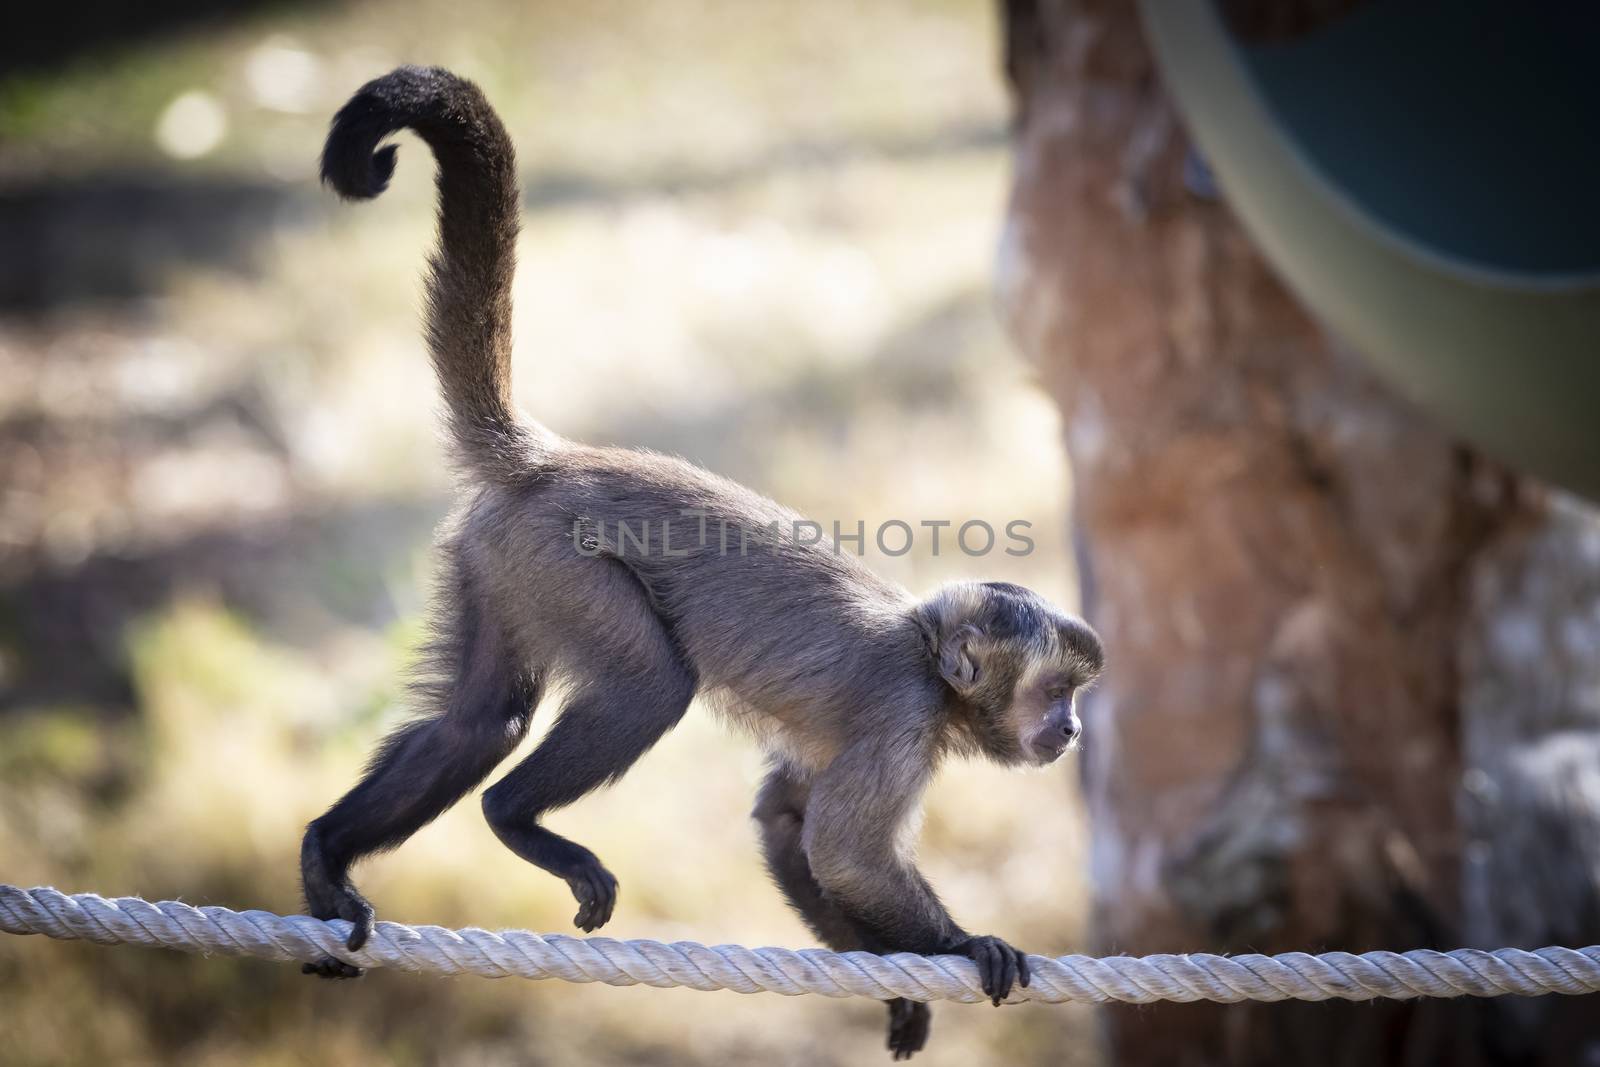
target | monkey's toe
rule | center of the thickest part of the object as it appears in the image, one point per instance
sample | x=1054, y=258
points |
x=596, y=891
x=353, y=908
x=361, y=919
x=328, y=900
x=328, y=967
x=909, y=1023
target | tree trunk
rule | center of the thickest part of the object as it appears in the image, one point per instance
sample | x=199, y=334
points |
x=1355, y=667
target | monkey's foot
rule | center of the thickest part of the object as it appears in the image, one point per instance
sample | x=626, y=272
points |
x=909, y=1022
x=329, y=894
x=594, y=887
x=999, y=965
x=341, y=901
x=596, y=891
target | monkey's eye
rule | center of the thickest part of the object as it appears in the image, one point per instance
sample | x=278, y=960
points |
x=1058, y=692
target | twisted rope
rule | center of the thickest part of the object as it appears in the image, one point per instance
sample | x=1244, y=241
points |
x=1136, y=980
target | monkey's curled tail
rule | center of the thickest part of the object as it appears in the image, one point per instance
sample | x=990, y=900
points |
x=470, y=272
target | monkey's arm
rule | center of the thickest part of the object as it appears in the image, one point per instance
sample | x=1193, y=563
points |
x=852, y=833
x=780, y=811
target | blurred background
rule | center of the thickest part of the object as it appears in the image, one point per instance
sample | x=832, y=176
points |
x=889, y=260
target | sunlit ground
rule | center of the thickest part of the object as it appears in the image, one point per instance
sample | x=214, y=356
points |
x=759, y=235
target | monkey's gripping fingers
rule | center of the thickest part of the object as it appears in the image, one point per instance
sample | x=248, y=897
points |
x=909, y=1022
x=351, y=906
x=596, y=891
x=999, y=965
x=342, y=902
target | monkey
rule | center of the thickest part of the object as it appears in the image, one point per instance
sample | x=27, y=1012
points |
x=856, y=689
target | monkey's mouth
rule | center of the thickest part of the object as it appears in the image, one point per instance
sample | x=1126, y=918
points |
x=1047, y=752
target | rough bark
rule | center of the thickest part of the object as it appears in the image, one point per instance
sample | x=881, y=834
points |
x=1355, y=667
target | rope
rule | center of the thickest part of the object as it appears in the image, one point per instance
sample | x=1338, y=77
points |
x=1136, y=980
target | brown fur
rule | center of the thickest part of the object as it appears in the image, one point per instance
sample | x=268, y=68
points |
x=856, y=688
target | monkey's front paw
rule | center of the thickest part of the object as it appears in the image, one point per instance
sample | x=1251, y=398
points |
x=999, y=965
x=909, y=1022
x=328, y=967
x=596, y=891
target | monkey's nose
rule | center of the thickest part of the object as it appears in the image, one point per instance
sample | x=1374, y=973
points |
x=1067, y=727
x=1065, y=735
x=1056, y=737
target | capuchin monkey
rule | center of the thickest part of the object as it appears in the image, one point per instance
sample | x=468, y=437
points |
x=856, y=689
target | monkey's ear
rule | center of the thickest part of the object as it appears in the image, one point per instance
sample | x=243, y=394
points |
x=958, y=659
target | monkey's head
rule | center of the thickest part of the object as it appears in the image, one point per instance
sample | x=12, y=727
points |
x=1015, y=664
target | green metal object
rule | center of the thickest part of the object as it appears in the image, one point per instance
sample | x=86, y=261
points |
x=1426, y=176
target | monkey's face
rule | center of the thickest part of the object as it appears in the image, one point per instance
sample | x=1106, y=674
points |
x=1053, y=660
x=1045, y=717
x=1017, y=664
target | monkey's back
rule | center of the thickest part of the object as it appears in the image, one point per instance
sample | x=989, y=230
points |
x=801, y=630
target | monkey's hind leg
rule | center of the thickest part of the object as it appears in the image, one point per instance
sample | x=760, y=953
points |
x=481, y=697
x=632, y=688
